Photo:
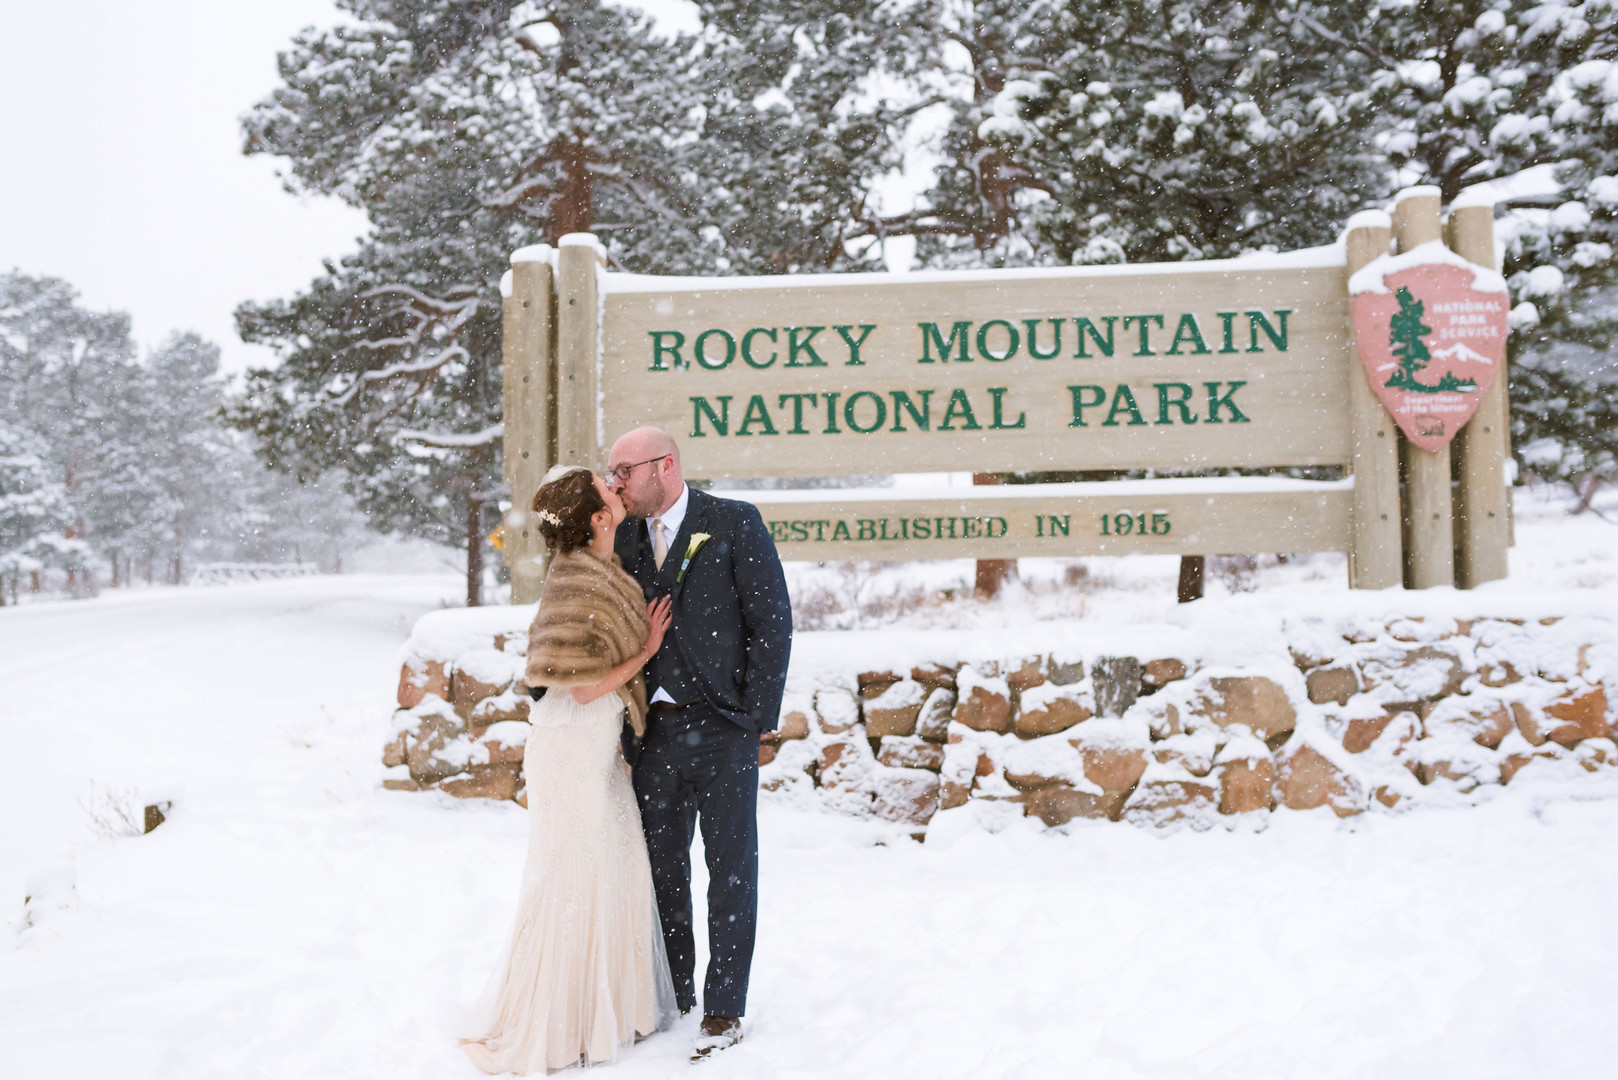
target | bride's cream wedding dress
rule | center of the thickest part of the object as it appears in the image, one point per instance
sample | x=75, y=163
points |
x=585, y=971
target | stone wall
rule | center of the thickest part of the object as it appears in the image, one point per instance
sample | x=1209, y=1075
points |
x=1372, y=715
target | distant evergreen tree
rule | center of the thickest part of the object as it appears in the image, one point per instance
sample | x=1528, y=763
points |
x=115, y=466
x=35, y=516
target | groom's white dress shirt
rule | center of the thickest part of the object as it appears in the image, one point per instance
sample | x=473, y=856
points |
x=672, y=519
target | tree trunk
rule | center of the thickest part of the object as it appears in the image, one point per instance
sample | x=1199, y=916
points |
x=474, y=550
x=1586, y=490
x=571, y=212
x=1191, y=571
x=992, y=574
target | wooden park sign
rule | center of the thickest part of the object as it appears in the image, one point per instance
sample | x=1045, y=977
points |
x=1247, y=362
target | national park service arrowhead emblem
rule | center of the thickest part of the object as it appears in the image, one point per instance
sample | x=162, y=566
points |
x=1430, y=329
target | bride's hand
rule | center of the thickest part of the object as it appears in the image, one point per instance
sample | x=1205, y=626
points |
x=659, y=614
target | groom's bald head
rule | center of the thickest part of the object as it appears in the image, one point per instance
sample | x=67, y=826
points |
x=654, y=480
x=642, y=443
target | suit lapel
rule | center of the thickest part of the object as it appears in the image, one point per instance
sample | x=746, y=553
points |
x=696, y=520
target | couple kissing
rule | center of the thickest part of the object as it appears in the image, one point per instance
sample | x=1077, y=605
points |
x=657, y=658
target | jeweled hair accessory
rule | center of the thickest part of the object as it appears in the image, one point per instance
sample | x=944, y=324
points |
x=548, y=517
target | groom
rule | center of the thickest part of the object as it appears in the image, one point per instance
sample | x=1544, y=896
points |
x=715, y=687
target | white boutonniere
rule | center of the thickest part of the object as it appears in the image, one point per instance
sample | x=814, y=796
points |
x=691, y=549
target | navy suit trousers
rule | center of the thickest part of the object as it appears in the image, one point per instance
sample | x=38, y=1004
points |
x=698, y=768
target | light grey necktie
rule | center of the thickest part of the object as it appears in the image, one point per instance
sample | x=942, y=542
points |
x=660, y=542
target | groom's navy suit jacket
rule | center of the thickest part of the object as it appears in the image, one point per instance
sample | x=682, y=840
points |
x=732, y=616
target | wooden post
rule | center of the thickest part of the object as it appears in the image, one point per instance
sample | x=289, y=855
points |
x=474, y=548
x=578, y=343
x=1192, y=568
x=1429, y=517
x=528, y=331
x=992, y=574
x=1479, y=450
x=1376, y=551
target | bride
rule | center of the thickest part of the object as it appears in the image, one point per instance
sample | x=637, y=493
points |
x=585, y=972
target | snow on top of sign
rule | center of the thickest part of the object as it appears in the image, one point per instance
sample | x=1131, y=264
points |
x=1369, y=219
x=580, y=239
x=505, y=285
x=1477, y=195
x=542, y=253
x=1369, y=279
x=1420, y=191
x=1325, y=258
x=1192, y=485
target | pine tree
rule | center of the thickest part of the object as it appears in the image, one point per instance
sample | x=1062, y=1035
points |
x=132, y=450
x=1156, y=130
x=467, y=129
x=35, y=516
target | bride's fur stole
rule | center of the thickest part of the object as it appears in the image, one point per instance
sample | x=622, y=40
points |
x=592, y=617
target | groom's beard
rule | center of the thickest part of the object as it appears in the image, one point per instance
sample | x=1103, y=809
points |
x=647, y=503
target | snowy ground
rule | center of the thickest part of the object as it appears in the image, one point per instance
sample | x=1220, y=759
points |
x=292, y=920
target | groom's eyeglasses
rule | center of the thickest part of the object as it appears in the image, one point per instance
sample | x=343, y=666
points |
x=621, y=474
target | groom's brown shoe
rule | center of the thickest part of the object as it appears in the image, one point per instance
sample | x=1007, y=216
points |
x=718, y=1033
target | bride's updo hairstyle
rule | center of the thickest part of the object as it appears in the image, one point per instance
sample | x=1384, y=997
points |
x=563, y=505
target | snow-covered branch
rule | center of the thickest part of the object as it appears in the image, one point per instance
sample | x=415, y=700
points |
x=450, y=440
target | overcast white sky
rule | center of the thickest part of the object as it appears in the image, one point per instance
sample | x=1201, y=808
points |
x=120, y=161
x=120, y=167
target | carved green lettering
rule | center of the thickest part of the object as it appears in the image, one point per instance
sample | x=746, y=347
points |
x=1013, y=340
x=997, y=395
x=1216, y=401
x=1123, y=400
x=1104, y=344
x=701, y=351
x=660, y=350
x=719, y=420
x=849, y=412
x=1145, y=323
x=959, y=407
x=1256, y=321
x=795, y=347
x=854, y=343
x=1181, y=402
x=756, y=414
x=922, y=418
x=747, y=347
x=797, y=410
x=1188, y=330
x=1033, y=344
x=931, y=337
x=1080, y=404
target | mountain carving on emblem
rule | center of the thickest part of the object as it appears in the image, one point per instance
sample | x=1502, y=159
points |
x=1461, y=351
